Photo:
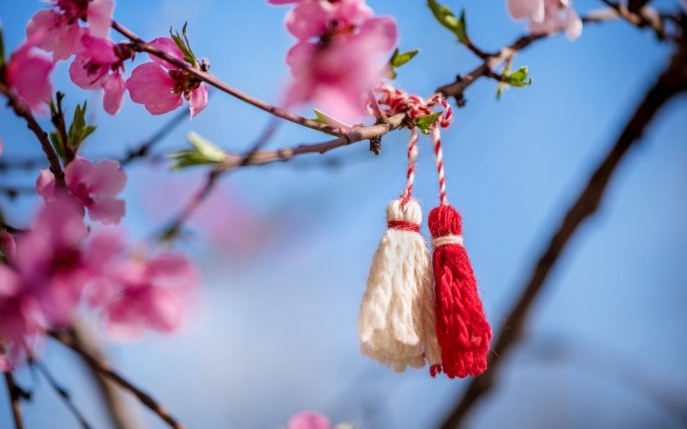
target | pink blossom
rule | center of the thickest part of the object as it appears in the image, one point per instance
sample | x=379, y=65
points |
x=148, y=294
x=162, y=87
x=28, y=74
x=308, y=420
x=97, y=65
x=547, y=16
x=8, y=247
x=95, y=186
x=337, y=75
x=57, y=29
x=19, y=325
x=48, y=261
x=313, y=19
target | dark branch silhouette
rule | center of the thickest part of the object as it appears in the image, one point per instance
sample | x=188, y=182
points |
x=670, y=83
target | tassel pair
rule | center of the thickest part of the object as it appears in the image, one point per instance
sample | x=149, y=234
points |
x=396, y=324
x=403, y=320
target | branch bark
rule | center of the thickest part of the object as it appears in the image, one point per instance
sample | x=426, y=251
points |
x=104, y=369
x=672, y=81
x=14, y=395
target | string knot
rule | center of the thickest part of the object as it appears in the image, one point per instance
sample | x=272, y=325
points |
x=393, y=101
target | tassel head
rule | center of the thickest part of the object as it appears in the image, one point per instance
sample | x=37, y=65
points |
x=463, y=332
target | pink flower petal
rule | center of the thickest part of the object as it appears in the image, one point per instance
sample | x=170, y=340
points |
x=28, y=73
x=166, y=44
x=45, y=185
x=379, y=34
x=572, y=24
x=107, y=211
x=199, y=99
x=8, y=247
x=78, y=171
x=107, y=178
x=9, y=280
x=99, y=17
x=172, y=270
x=309, y=19
x=123, y=318
x=309, y=420
x=151, y=86
x=78, y=73
x=164, y=311
x=47, y=30
x=114, y=87
x=526, y=9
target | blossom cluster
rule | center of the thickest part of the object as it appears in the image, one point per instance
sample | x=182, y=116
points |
x=547, y=16
x=99, y=63
x=339, y=54
x=48, y=273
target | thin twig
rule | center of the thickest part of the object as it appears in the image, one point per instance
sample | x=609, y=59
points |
x=15, y=395
x=671, y=82
x=491, y=61
x=141, y=45
x=121, y=415
x=13, y=192
x=212, y=177
x=106, y=370
x=143, y=149
x=22, y=110
x=645, y=17
x=21, y=164
x=379, y=115
x=62, y=393
x=354, y=135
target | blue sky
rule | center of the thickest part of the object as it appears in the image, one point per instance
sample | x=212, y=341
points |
x=274, y=328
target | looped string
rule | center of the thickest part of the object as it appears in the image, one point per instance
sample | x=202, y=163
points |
x=439, y=158
x=393, y=101
x=410, y=178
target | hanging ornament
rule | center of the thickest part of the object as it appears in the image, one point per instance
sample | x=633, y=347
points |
x=463, y=331
x=396, y=325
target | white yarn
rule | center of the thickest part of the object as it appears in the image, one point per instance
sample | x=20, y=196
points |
x=447, y=239
x=393, y=325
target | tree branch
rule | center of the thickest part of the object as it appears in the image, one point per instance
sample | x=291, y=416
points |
x=354, y=135
x=14, y=394
x=106, y=370
x=120, y=414
x=671, y=82
x=490, y=61
x=141, y=45
x=22, y=110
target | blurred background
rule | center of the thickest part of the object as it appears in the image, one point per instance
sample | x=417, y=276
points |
x=285, y=248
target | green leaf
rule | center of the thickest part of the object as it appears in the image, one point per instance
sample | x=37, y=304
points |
x=202, y=152
x=181, y=40
x=79, y=130
x=57, y=143
x=446, y=18
x=518, y=79
x=397, y=60
x=424, y=123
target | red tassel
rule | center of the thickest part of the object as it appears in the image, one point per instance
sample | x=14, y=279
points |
x=463, y=331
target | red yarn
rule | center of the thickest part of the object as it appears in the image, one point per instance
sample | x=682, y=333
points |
x=403, y=225
x=463, y=331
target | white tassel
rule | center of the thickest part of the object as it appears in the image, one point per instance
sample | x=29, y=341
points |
x=394, y=325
